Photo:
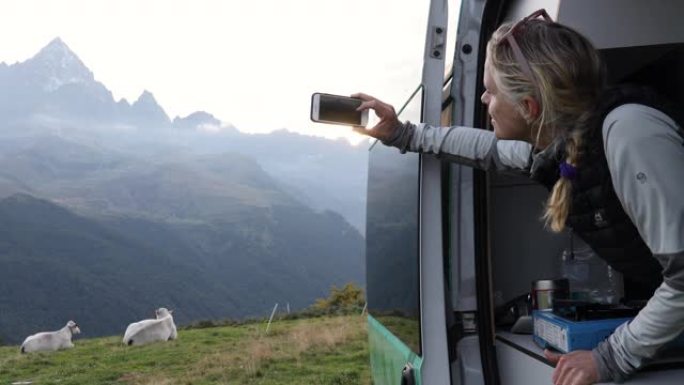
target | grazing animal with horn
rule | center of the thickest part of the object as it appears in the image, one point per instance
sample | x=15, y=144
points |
x=51, y=341
x=150, y=330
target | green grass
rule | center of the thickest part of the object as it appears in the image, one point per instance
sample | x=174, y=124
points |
x=305, y=351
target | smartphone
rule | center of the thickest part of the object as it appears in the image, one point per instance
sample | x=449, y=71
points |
x=337, y=109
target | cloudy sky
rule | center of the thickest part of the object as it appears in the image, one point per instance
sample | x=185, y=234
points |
x=251, y=63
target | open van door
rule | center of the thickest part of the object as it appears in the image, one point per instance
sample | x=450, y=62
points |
x=392, y=261
x=405, y=268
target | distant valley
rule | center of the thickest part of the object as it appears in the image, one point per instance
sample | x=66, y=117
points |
x=110, y=209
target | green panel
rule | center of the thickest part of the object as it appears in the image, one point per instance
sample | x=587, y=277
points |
x=389, y=355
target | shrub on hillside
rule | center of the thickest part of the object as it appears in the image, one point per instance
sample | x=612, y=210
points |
x=347, y=300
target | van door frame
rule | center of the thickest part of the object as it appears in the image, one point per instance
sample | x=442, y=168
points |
x=435, y=369
x=491, y=15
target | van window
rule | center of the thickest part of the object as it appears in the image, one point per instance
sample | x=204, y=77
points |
x=392, y=264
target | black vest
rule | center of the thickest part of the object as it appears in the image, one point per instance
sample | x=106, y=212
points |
x=596, y=215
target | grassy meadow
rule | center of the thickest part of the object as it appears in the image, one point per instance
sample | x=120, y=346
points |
x=327, y=350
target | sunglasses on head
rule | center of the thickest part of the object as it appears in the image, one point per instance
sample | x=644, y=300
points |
x=517, y=52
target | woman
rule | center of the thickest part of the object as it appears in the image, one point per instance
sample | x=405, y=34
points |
x=612, y=158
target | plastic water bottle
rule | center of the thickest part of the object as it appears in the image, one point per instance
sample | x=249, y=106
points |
x=591, y=279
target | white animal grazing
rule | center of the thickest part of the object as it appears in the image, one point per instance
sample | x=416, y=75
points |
x=151, y=330
x=51, y=341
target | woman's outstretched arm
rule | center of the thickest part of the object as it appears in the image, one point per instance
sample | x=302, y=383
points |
x=465, y=145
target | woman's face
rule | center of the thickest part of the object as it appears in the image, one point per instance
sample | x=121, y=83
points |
x=506, y=119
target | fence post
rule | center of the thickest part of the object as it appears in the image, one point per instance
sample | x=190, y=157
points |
x=271, y=318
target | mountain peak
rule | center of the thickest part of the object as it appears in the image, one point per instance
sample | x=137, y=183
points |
x=59, y=65
x=146, y=100
x=146, y=97
x=57, y=43
x=58, y=51
x=147, y=106
x=198, y=119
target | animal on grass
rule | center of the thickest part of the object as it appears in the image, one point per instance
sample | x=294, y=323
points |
x=162, y=328
x=51, y=341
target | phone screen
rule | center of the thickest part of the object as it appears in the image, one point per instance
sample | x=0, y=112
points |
x=339, y=109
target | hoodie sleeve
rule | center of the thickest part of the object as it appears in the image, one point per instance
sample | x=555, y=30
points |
x=470, y=146
x=645, y=154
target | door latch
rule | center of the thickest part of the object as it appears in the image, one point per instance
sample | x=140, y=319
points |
x=407, y=376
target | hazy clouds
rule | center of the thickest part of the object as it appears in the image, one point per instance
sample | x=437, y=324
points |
x=253, y=64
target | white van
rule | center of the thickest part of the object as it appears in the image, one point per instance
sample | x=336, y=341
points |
x=440, y=253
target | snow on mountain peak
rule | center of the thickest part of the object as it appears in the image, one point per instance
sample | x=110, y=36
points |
x=59, y=66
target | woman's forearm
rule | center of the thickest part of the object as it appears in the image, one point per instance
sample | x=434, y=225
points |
x=470, y=146
x=634, y=343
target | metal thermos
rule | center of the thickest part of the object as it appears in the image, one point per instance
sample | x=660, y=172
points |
x=544, y=291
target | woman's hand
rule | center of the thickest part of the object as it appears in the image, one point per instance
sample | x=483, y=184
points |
x=575, y=368
x=388, y=123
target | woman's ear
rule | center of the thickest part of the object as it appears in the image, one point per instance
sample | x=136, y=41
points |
x=531, y=107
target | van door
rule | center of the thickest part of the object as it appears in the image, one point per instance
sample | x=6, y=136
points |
x=432, y=262
x=404, y=253
x=470, y=339
x=392, y=260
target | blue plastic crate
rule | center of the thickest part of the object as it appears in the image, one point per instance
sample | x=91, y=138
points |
x=566, y=336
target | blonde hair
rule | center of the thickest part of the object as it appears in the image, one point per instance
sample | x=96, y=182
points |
x=568, y=80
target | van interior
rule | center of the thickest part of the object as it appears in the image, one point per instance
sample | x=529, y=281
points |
x=521, y=249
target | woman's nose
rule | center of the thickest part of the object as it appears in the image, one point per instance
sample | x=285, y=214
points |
x=483, y=98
